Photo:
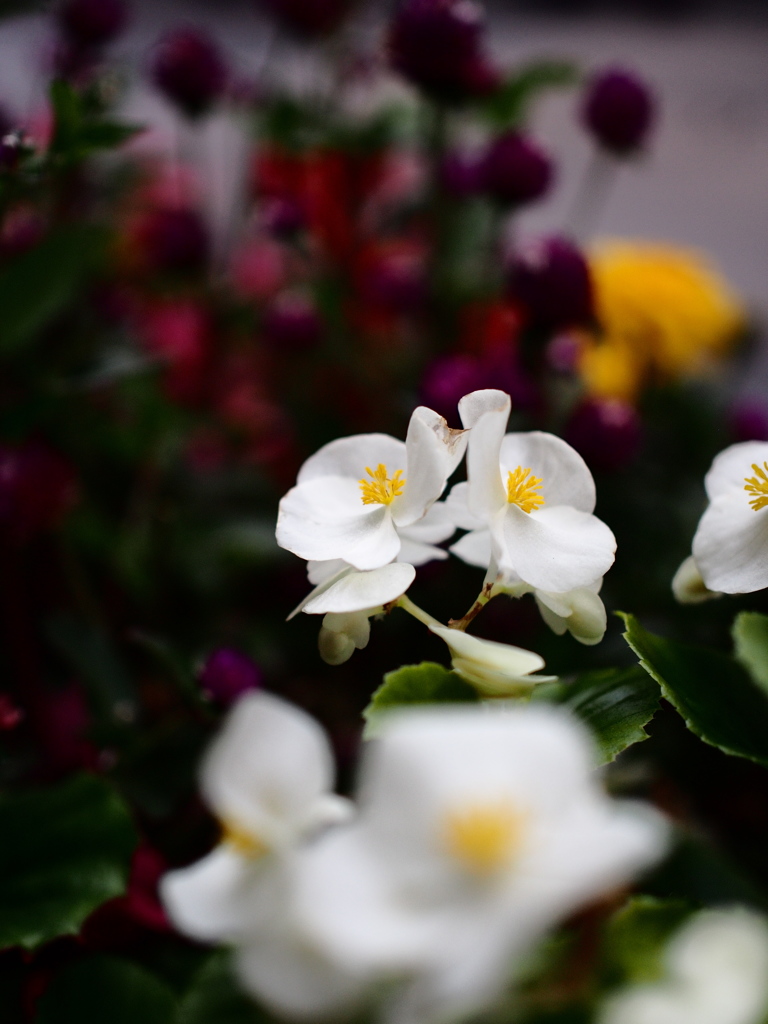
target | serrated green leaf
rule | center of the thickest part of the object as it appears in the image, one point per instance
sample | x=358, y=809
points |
x=106, y=988
x=507, y=106
x=65, y=850
x=750, y=638
x=427, y=683
x=636, y=936
x=713, y=693
x=616, y=704
x=215, y=998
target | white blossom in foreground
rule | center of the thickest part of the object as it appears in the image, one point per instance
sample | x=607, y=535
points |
x=528, y=507
x=477, y=831
x=688, y=586
x=716, y=973
x=731, y=543
x=368, y=499
x=267, y=778
x=494, y=669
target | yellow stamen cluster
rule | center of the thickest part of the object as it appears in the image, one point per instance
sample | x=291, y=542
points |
x=380, y=489
x=244, y=842
x=523, y=489
x=484, y=837
x=758, y=485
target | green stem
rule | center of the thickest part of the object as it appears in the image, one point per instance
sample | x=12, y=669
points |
x=418, y=613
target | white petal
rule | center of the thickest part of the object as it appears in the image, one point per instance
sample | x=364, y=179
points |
x=434, y=450
x=688, y=586
x=731, y=467
x=474, y=548
x=457, y=505
x=267, y=768
x=206, y=901
x=419, y=554
x=557, y=548
x=731, y=545
x=437, y=525
x=566, y=479
x=350, y=456
x=319, y=572
x=579, y=611
x=501, y=657
x=486, y=412
x=355, y=591
x=326, y=575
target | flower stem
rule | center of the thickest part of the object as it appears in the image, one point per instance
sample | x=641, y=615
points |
x=418, y=613
x=483, y=598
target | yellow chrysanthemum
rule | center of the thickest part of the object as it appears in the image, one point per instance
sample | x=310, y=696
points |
x=662, y=312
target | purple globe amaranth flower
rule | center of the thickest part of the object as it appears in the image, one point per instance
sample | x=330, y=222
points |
x=549, y=278
x=515, y=170
x=190, y=69
x=174, y=241
x=748, y=420
x=309, y=18
x=619, y=110
x=607, y=432
x=228, y=673
x=292, y=324
x=447, y=379
x=92, y=23
x=437, y=45
x=461, y=174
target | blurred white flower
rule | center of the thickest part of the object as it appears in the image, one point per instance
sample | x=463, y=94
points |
x=688, y=586
x=368, y=499
x=528, y=507
x=478, y=830
x=731, y=543
x=494, y=669
x=717, y=973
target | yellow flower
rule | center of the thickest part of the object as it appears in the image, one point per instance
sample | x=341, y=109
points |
x=662, y=313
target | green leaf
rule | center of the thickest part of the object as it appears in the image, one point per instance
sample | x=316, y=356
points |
x=714, y=694
x=616, y=704
x=427, y=683
x=508, y=105
x=65, y=850
x=78, y=130
x=636, y=936
x=750, y=637
x=215, y=998
x=105, y=988
x=39, y=285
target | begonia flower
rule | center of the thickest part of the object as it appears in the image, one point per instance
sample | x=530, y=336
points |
x=360, y=498
x=494, y=669
x=730, y=546
x=476, y=833
x=688, y=586
x=717, y=973
x=528, y=508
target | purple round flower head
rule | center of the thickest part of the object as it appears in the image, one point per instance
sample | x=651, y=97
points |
x=92, y=23
x=309, y=18
x=515, y=170
x=437, y=45
x=748, y=420
x=228, y=673
x=606, y=431
x=618, y=110
x=550, y=279
x=461, y=174
x=292, y=324
x=446, y=380
x=175, y=241
x=190, y=69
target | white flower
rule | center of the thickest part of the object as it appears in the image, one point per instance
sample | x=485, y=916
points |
x=267, y=778
x=688, y=586
x=528, y=504
x=477, y=832
x=365, y=499
x=495, y=670
x=731, y=543
x=717, y=973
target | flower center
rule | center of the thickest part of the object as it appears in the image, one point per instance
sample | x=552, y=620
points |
x=484, y=837
x=523, y=489
x=757, y=485
x=381, y=489
x=244, y=842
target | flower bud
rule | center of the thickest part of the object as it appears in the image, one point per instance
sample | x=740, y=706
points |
x=190, y=69
x=618, y=110
x=549, y=278
x=174, y=241
x=228, y=673
x=92, y=23
x=606, y=431
x=688, y=585
x=309, y=18
x=292, y=324
x=515, y=170
x=341, y=634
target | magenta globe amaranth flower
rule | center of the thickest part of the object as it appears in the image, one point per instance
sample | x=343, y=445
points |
x=92, y=23
x=292, y=324
x=619, y=110
x=515, y=170
x=190, y=70
x=550, y=280
x=437, y=45
x=309, y=17
x=606, y=432
x=461, y=174
x=174, y=241
x=748, y=420
x=228, y=673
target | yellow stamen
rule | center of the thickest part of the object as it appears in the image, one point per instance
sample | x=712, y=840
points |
x=758, y=485
x=524, y=492
x=244, y=842
x=484, y=837
x=380, y=489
